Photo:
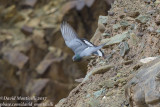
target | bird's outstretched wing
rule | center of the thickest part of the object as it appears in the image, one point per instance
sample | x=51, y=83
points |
x=68, y=32
x=71, y=38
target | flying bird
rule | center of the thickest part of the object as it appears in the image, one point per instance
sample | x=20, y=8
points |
x=81, y=47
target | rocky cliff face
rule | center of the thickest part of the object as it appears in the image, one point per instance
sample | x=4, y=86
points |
x=131, y=31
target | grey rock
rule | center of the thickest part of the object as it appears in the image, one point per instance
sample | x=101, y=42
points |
x=109, y=84
x=27, y=30
x=108, y=57
x=102, y=20
x=113, y=21
x=115, y=39
x=140, y=34
x=158, y=31
x=133, y=39
x=105, y=34
x=151, y=12
x=132, y=26
x=98, y=70
x=123, y=48
x=116, y=26
x=88, y=95
x=145, y=90
x=29, y=3
x=124, y=24
x=110, y=13
x=15, y=58
x=150, y=29
x=125, y=10
x=142, y=19
x=94, y=102
x=99, y=92
x=147, y=1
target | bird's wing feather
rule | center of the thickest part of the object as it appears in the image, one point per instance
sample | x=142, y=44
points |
x=90, y=50
x=87, y=42
x=71, y=38
x=98, y=52
x=68, y=32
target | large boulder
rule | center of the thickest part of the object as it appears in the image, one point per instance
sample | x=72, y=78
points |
x=144, y=89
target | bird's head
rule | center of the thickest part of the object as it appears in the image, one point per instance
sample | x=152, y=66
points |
x=76, y=58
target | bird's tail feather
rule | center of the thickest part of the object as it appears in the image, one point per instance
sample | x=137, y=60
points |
x=100, y=46
x=99, y=52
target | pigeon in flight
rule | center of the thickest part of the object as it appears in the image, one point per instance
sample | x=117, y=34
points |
x=80, y=47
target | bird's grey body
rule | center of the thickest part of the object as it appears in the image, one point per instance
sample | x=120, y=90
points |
x=81, y=47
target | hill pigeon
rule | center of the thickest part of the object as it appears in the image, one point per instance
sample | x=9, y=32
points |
x=80, y=47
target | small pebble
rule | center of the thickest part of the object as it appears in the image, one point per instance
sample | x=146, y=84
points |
x=110, y=13
x=27, y=30
x=140, y=34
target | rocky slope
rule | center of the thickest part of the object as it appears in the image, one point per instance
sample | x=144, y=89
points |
x=131, y=30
